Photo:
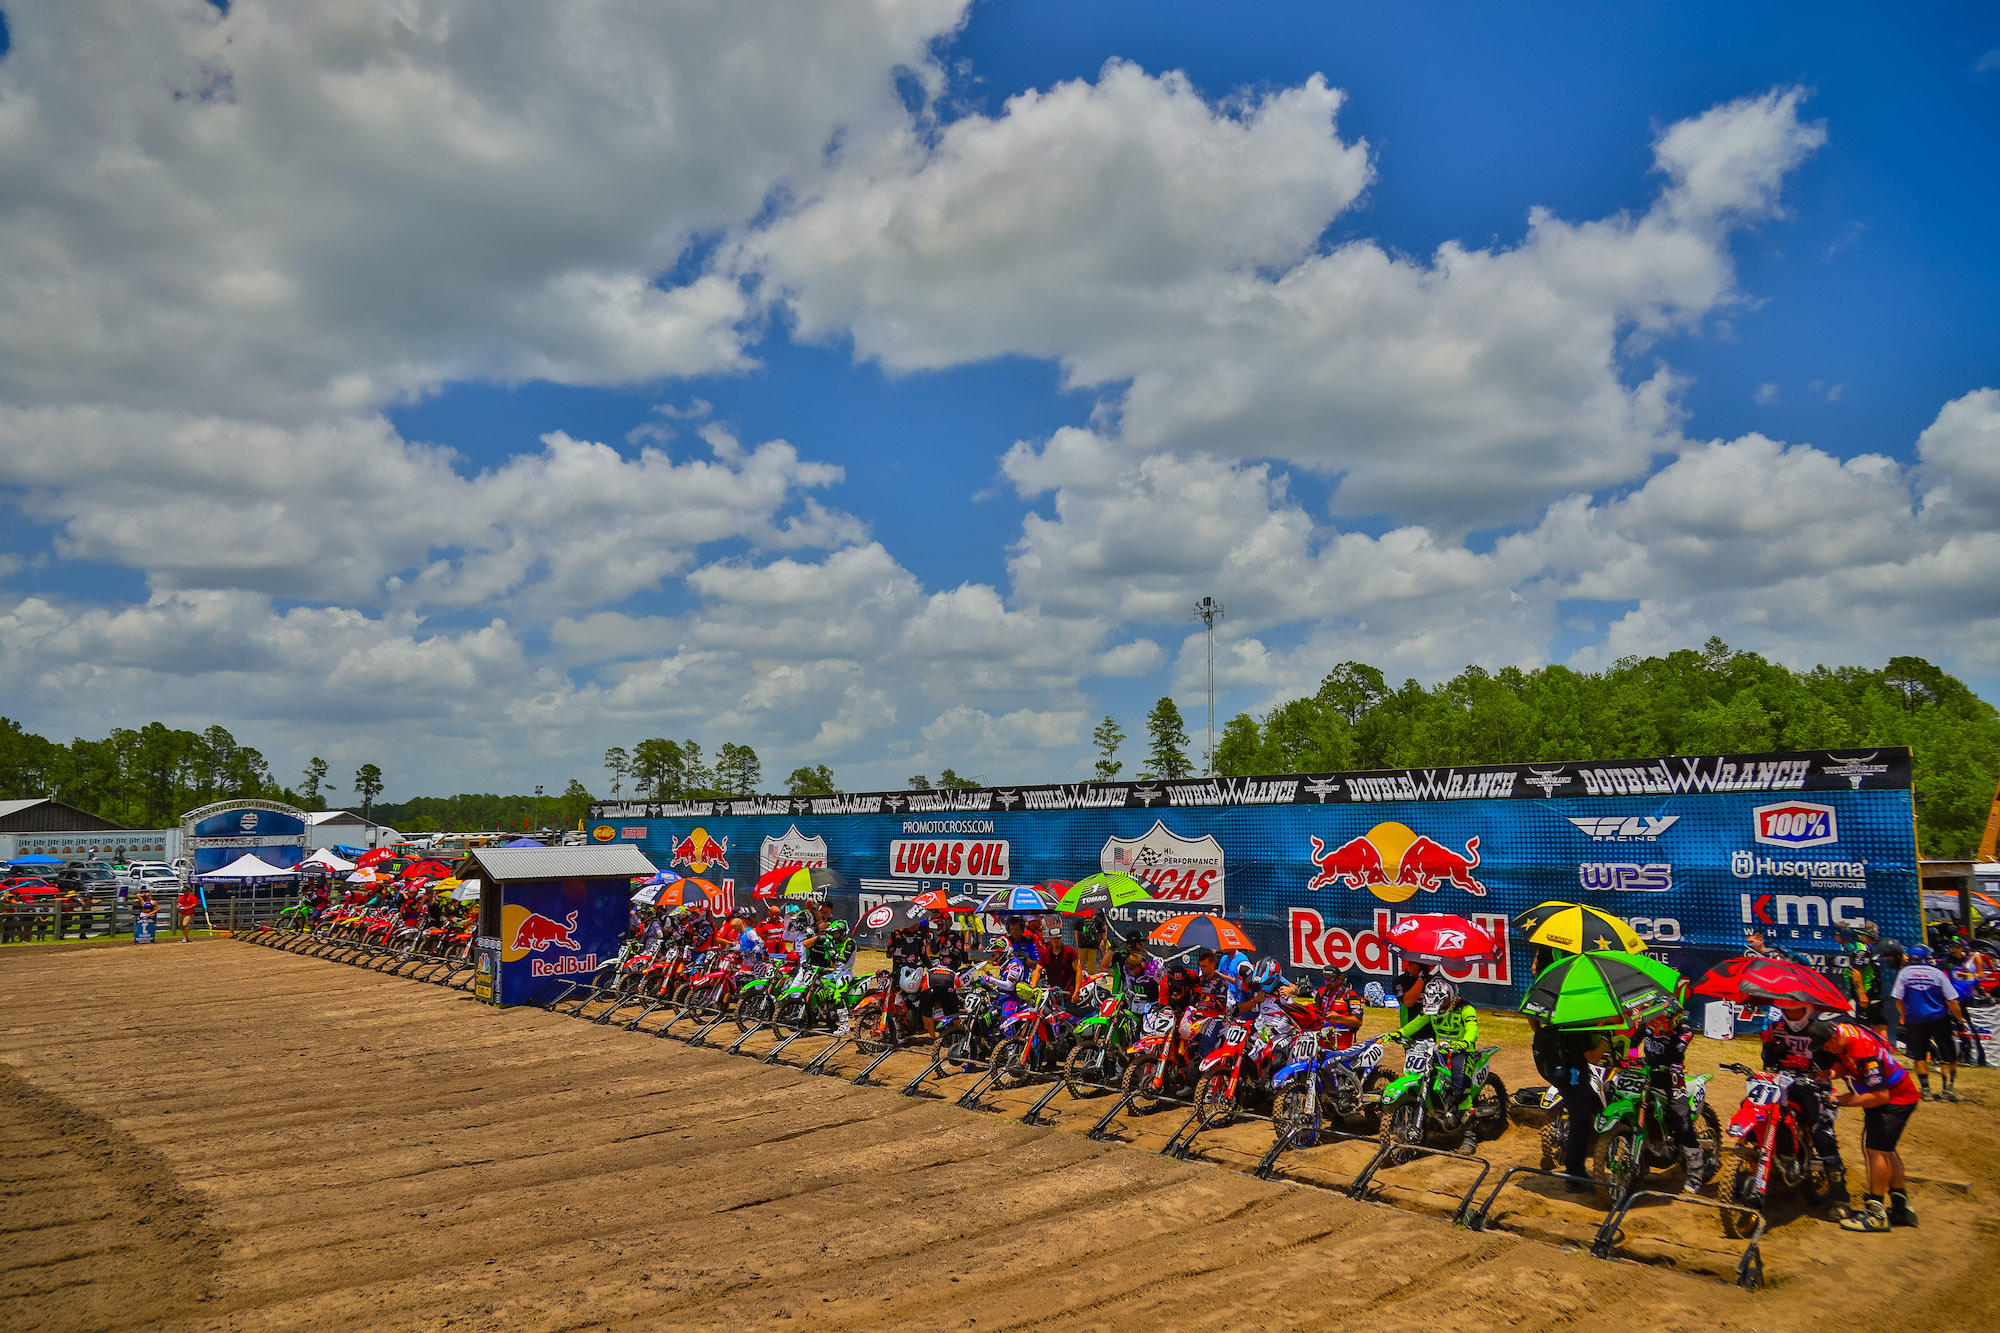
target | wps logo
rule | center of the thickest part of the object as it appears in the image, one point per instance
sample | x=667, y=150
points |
x=1621, y=877
x=1796, y=824
x=1174, y=868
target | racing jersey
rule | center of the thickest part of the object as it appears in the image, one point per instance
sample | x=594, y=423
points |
x=907, y=947
x=1786, y=1049
x=1457, y=1027
x=1867, y=1063
x=949, y=949
x=1182, y=986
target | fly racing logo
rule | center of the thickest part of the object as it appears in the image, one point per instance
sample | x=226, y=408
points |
x=1620, y=828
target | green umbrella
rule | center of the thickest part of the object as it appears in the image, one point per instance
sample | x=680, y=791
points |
x=1602, y=989
x=1102, y=890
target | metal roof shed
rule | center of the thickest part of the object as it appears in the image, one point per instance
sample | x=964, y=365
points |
x=549, y=917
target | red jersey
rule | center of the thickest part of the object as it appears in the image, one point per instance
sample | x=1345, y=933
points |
x=1862, y=1058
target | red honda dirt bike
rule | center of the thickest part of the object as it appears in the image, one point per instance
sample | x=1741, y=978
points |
x=1236, y=1075
x=714, y=988
x=1034, y=1041
x=1769, y=1146
x=1163, y=1059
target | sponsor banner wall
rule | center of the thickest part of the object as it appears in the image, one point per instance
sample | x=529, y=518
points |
x=216, y=835
x=1694, y=851
x=555, y=930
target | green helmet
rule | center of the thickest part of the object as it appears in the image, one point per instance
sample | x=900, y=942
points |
x=836, y=930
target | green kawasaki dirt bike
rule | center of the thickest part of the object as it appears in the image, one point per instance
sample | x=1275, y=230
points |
x=1632, y=1135
x=1097, y=1059
x=815, y=997
x=1415, y=1102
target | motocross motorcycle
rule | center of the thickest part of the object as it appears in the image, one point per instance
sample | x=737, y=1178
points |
x=1163, y=1067
x=1320, y=1086
x=1097, y=1057
x=1237, y=1074
x=1415, y=1102
x=1632, y=1134
x=757, y=994
x=882, y=1014
x=815, y=997
x=713, y=989
x=1035, y=1042
x=1771, y=1147
x=966, y=1037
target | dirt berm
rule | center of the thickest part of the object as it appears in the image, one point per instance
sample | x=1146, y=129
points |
x=217, y=1136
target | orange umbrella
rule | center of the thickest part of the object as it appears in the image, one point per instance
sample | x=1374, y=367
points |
x=688, y=892
x=1201, y=930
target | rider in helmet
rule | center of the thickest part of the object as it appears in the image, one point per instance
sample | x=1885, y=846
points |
x=1445, y=1016
x=1791, y=1044
x=1661, y=1042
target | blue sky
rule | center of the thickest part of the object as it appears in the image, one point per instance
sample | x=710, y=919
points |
x=1064, y=316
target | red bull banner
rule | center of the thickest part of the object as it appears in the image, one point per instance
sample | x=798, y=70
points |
x=555, y=931
x=1318, y=868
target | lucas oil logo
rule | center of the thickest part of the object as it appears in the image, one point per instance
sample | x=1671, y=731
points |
x=698, y=851
x=1394, y=864
x=1796, y=824
x=794, y=849
x=1174, y=868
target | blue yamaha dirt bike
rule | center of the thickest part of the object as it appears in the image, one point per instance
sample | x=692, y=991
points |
x=1323, y=1087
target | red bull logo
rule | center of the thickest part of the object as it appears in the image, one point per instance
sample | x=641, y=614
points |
x=537, y=932
x=1395, y=864
x=698, y=851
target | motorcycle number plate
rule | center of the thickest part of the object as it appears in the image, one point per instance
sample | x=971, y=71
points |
x=1158, y=1021
x=1631, y=1082
x=1370, y=1055
x=1305, y=1047
x=1234, y=1034
x=1764, y=1094
x=1418, y=1060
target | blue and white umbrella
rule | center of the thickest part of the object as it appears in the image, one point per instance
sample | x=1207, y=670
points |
x=1022, y=900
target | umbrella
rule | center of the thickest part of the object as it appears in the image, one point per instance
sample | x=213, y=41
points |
x=1573, y=928
x=1115, y=889
x=940, y=900
x=325, y=858
x=380, y=854
x=362, y=877
x=525, y=842
x=816, y=881
x=37, y=861
x=1441, y=937
x=1756, y=980
x=771, y=883
x=890, y=916
x=426, y=870
x=1020, y=900
x=689, y=892
x=1200, y=930
x=467, y=891
x=1600, y=989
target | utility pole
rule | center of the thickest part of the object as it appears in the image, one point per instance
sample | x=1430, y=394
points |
x=1208, y=611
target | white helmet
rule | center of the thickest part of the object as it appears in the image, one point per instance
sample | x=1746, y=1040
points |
x=1439, y=995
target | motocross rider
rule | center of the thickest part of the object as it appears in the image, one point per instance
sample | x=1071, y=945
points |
x=1185, y=990
x=1662, y=1042
x=1791, y=1045
x=1340, y=1009
x=1887, y=1094
x=1446, y=1017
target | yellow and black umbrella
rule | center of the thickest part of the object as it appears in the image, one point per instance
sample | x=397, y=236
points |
x=1575, y=928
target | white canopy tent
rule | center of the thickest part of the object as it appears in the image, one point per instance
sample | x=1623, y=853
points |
x=247, y=867
x=323, y=857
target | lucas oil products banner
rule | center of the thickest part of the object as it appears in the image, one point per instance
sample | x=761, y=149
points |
x=1694, y=851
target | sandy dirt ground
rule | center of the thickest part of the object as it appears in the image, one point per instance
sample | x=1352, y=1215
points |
x=220, y=1136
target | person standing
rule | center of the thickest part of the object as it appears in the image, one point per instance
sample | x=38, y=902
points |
x=1089, y=936
x=1564, y=1059
x=1889, y=962
x=185, y=907
x=1886, y=1095
x=147, y=912
x=1927, y=1003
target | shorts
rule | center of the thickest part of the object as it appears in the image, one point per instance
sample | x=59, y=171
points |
x=1882, y=1126
x=1933, y=1034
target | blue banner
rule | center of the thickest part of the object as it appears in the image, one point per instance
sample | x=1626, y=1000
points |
x=216, y=835
x=555, y=931
x=1695, y=852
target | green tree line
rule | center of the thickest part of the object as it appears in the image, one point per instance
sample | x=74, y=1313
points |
x=1706, y=701
x=146, y=778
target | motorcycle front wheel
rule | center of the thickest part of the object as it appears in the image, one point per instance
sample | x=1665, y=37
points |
x=1294, y=1116
x=1138, y=1081
x=752, y=1008
x=1489, y=1109
x=1212, y=1101
x=1615, y=1163
x=1007, y=1067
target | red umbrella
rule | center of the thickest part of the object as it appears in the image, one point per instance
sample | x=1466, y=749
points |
x=938, y=900
x=427, y=870
x=1200, y=930
x=1753, y=980
x=771, y=884
x=371, y=857
x=1441, y=937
